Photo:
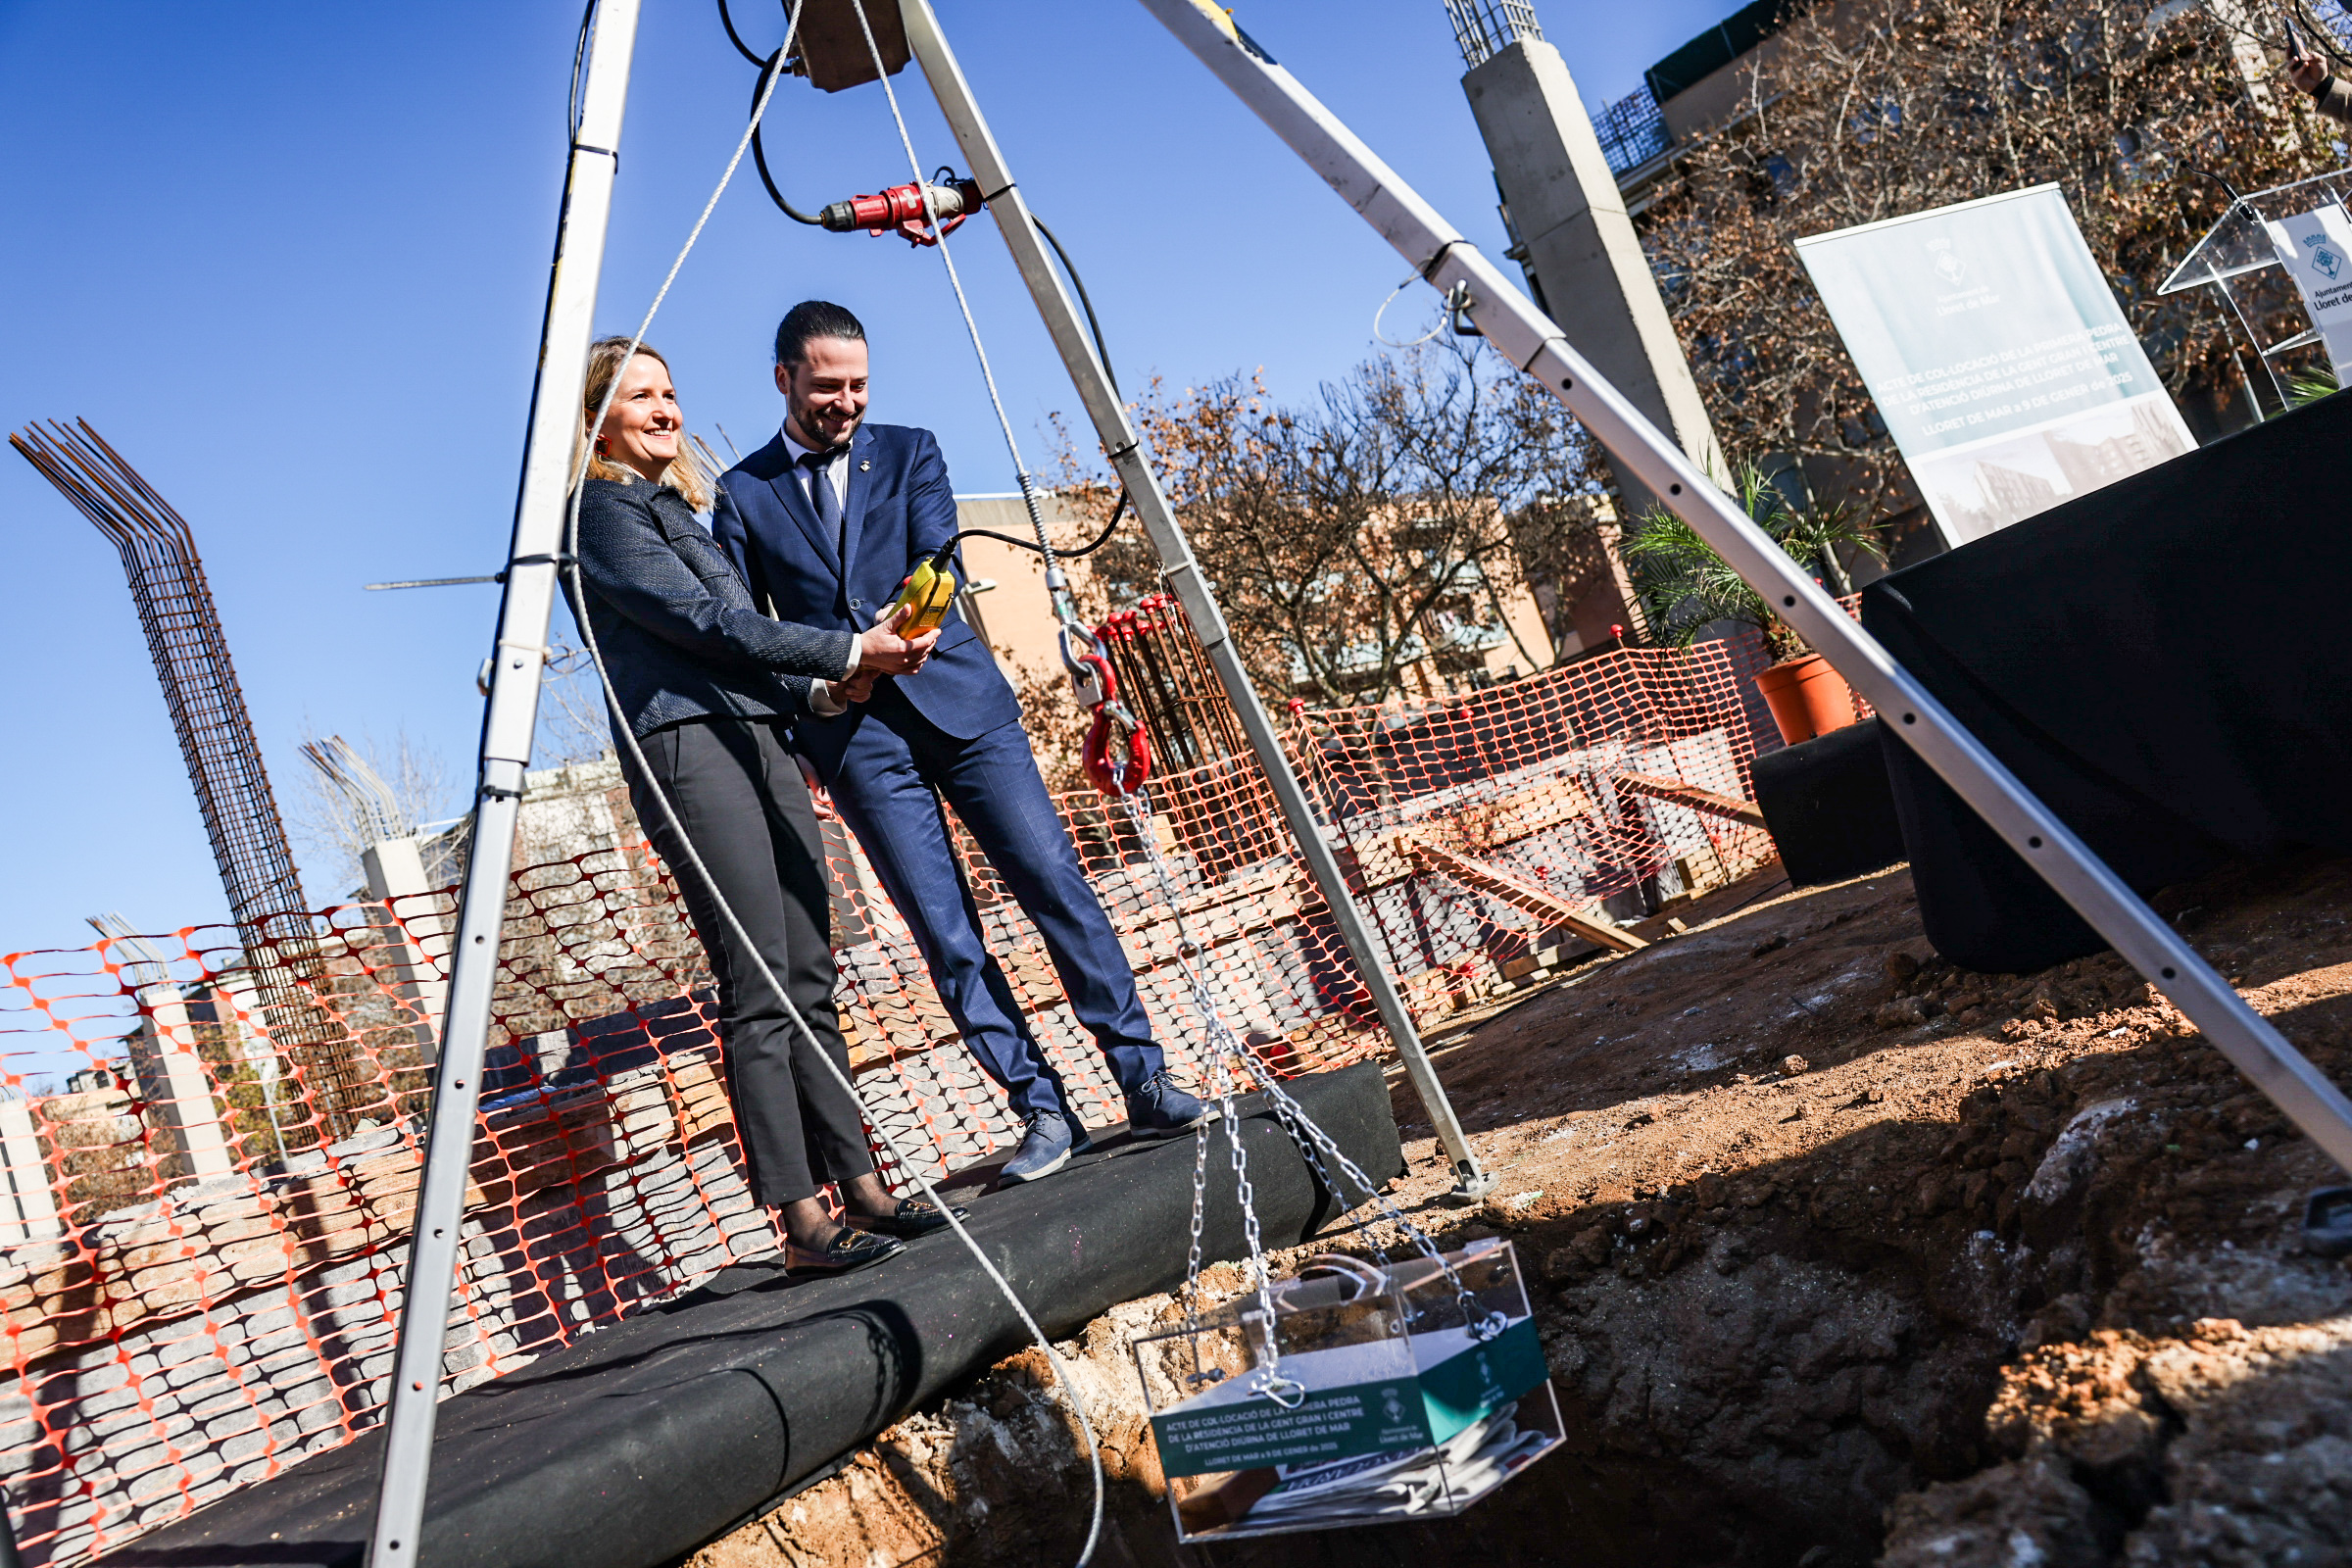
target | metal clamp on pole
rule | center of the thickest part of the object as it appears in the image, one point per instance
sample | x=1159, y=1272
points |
x=1531, y=339
x=1109, y=412
x=506, y=752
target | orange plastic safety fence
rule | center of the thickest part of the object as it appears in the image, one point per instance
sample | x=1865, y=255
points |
x=1525, y=782
x=201, y=1247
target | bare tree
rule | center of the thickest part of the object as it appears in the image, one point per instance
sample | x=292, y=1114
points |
x=1379, y=528
x=573, y=726
x=1875, y=109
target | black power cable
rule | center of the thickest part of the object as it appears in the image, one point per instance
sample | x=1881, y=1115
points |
x=773, y=64
x=768, y=67
x=735, y=38
x=1091, y=325
x=579, y=53
x=1117, y=511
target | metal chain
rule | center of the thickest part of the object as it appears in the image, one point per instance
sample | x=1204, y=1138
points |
x=1228, y=1047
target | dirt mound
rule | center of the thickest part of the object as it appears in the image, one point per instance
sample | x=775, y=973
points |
x=1844, y=1256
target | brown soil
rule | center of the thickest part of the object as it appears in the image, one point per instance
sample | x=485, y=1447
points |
x=1844, y=1256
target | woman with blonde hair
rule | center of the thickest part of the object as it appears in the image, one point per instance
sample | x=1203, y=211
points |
x=706, y=687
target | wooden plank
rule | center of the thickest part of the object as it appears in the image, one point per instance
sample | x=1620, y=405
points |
x=1524, y=896
x=1678, y=793
x=1385, y=858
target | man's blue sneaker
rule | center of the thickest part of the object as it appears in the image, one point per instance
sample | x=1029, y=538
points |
x=1046, y=1147
x=1157, y=1108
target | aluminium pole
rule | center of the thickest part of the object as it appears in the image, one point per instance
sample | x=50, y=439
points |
x=1530, y=341
x=532, y=558
x=1192, y=589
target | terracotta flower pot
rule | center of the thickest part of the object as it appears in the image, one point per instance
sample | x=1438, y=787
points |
x=1808, y=698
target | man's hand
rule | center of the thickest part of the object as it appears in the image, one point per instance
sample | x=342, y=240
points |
x=881, y=650
x=819, y=796
x=857, y=688
x=2306, y=70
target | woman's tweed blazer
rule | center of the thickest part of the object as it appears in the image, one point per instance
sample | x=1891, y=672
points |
x=679, y=633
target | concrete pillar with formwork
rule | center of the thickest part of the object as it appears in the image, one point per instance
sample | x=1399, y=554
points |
x=395, y=872
x=1564, y=205
x=180, y=1110
x=27, y=1187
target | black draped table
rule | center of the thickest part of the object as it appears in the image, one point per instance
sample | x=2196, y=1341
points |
x=2161, y=661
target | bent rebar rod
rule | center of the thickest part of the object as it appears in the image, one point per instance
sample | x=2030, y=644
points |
x=1533, y=343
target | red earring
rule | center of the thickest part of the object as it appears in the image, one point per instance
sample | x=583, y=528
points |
x=604, y=446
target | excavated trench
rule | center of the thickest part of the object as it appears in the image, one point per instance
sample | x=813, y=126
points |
x=1839, y=1258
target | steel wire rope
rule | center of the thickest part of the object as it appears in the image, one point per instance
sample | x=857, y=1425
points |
x=1094, y=326
x=569, y=558
x=1409, y=343
x=1021, y=470
x=1203, y=998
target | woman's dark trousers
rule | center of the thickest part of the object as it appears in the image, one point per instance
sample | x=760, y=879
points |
x=740, y=797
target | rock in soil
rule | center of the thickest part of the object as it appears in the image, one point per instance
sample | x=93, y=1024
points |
x=1839, y=1255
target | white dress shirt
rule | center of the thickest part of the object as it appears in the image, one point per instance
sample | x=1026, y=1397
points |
x=836, y=470
x=836, y=474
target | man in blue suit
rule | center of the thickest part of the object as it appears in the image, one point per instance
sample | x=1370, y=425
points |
x=830, y=518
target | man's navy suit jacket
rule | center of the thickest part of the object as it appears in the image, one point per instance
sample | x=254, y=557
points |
x=898, y=510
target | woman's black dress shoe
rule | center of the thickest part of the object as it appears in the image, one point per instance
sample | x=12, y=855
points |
x=848, y=1250
x=914, y=1217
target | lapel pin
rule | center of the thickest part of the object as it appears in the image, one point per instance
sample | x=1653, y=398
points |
x=862, y=466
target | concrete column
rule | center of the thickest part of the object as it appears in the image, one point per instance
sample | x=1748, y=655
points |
x=174, y=1082
x=1581, y=245
x=395, y=869
x=27, y=1199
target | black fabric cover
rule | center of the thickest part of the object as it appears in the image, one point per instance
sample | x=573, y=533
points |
x=1828, y=806
x=643, y=1441
x=2161, y=661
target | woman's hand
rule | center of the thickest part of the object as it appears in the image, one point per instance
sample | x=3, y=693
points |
x=819, y=796
x=881, y=650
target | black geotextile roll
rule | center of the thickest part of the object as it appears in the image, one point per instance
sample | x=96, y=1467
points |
x=643, y=1441
x=1828, y=806
x=2161, y=661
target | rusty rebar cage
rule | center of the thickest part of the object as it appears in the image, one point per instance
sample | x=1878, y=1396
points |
x=217, y=741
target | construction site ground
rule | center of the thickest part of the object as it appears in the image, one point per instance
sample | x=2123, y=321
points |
x=1839, y=1257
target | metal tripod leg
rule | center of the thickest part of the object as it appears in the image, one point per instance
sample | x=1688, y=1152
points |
x=1530, y=341
x=513, y=708
x=1184, y=577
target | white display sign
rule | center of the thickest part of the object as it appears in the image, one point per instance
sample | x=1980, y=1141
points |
x=2317, y=249
x=1997, y=356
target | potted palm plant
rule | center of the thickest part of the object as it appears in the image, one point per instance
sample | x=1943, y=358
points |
x=1685, y=589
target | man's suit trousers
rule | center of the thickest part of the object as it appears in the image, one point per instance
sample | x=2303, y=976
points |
x=745, y=807
x=895, y=762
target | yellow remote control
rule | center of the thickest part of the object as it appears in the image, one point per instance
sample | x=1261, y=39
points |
x=930, y=591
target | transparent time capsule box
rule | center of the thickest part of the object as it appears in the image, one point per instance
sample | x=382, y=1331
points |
x=1394, y=1394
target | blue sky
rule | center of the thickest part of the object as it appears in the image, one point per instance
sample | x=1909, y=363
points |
x=290, y=260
